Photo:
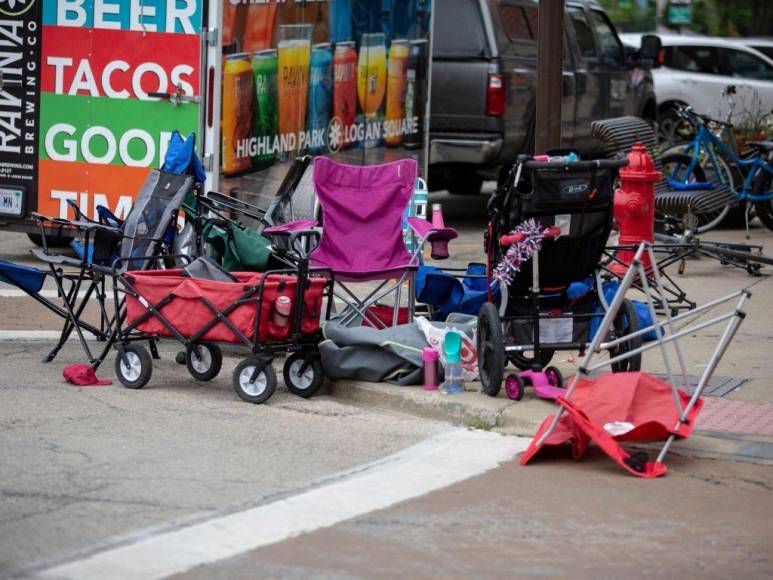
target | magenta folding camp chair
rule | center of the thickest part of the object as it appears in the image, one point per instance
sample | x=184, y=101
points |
x=362, y=237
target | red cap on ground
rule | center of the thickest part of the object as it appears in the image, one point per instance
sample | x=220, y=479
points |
x=82, y=375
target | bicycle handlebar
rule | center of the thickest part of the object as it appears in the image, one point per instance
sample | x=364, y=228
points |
x=687, y=112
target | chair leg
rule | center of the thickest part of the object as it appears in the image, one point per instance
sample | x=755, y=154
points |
x=356, y=307
x=359, y=307
x=396, y=311
x=411, y=296
x=71, y=322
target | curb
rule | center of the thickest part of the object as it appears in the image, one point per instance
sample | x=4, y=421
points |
x=470, y=409
x=522, y=418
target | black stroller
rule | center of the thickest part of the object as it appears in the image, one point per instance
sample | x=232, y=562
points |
x=548, y=227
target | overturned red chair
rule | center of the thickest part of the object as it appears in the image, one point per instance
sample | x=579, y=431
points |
x=637, y=407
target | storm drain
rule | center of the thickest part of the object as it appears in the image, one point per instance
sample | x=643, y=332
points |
x=717, y=386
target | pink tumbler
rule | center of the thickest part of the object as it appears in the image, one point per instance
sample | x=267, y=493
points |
x=437, y=216
x=282, y=307
x=430, y=357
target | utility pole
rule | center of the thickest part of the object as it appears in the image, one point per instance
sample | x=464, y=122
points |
x=550, y=68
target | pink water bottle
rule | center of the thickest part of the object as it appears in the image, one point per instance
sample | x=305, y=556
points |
x=282, y=306
x=430, y=357
x=437, y=216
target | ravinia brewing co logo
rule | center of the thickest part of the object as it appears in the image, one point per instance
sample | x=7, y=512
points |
x=15, y=7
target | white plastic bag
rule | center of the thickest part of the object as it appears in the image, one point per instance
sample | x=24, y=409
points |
x=465, y=325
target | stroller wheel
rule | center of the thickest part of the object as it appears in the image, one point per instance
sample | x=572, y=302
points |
x=134, y=368
x=514, y=387
x=554, y=377
x=254, y=380
x=204, y=360
x=491, y=349
x=525, y=363
x=626, y=322
x=304, y=383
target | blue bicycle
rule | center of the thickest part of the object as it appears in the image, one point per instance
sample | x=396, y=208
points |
x=711, y=160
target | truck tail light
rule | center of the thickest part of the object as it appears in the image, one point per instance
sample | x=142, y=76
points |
x=495, y=96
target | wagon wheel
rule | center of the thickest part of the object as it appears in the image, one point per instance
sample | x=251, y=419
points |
x=204, y=360
x=304, y=382
x=254, y=380
x=134, y=366
x=491, y=349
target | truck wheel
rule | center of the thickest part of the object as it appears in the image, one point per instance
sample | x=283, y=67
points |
x=51, y=241
x=465, y=184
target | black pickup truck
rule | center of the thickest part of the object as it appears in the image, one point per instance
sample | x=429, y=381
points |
x=484, y=63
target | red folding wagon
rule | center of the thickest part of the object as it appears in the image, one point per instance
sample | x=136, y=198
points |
x=266, y=313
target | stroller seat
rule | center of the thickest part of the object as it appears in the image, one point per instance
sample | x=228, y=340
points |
x=574, y=197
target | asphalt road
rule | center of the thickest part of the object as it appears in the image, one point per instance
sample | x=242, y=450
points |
x=552, y=519
x=83, y=465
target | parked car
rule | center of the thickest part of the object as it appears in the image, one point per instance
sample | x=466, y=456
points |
x=696, y=69
x=483, y=85
x=764, y=45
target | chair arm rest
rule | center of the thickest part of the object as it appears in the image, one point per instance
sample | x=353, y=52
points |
x=438, y=237
x=289, y=228
x=77, y=224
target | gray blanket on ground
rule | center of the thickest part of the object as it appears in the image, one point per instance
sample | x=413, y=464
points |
x=367, y=354
x=390, y=355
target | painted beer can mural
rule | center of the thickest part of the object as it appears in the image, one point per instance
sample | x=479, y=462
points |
x=344, y=78
x=100, y=130
x=92, y=90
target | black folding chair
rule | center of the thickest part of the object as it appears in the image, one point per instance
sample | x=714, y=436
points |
x=148, y=231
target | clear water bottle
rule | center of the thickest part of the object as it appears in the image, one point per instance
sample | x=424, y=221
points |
x=454, y=379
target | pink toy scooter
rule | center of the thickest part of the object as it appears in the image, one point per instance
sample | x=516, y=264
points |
x=547, y=384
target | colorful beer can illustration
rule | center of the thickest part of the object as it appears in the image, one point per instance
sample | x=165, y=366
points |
x=264, y=68
x=237, y=113
x=320, y=95
x=416, y=93
x=294, y=54
x=345, y=88
x=397, y=69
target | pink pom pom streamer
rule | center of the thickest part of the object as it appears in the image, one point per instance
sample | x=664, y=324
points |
x=518, y=254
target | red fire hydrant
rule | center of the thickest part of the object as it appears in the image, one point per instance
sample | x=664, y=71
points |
x=634, y=208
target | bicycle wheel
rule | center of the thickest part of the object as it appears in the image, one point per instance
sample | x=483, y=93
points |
x=676, y=166
x=672, y=127
x=763, y=183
